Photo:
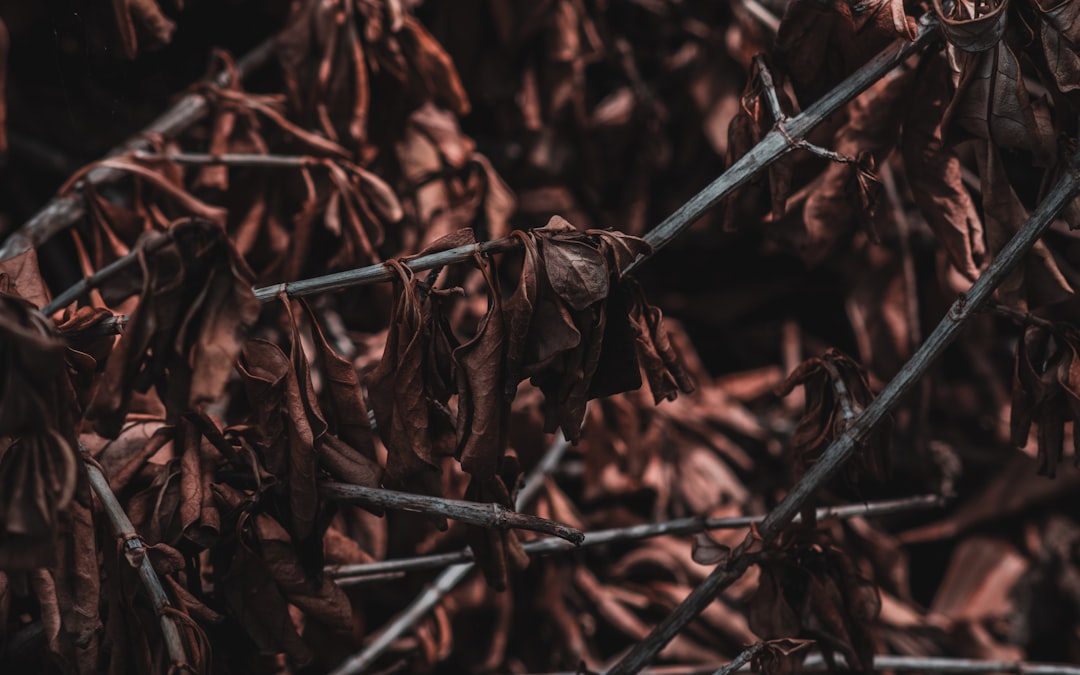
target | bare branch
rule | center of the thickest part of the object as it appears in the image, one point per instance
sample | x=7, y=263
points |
x=434, y=592
x=76, y=290
x=63, y=211
x=930, y=664
x=382, y=271
x=743, y=659
x=1020, y=318
x=762, y=14
x=488, y=515
x=348, y=575
x=233, y=159
x=136, y=549
x=842, y=448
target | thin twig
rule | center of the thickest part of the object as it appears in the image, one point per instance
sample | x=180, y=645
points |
x=762, y=14
x=63, y=211
x=842, y=448
x=348, y=575
x=234, y=159
x=934, y=664
x=125, y=530
x=1021, y=318
x=841, y=390
x=448, y=579
x=769, y=85
x=382, y=271
x=743, y=659
x=488, y=515
x=929, y=664
x=907, y=259
x=76, y=290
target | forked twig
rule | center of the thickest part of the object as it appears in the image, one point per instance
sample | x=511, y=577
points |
x=65, y=210
x=125, y=530
x=489, y=515
x=348, y=575
x=434, y=592
x=864, y=425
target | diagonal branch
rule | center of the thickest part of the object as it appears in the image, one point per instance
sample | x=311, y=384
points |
x=134, y=547
x=76, y=290
x=786, y=137
x=489, y=515
x=347, y=575
x=865, y=424
x=64, y=211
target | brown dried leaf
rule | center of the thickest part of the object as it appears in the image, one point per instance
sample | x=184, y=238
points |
x=38, y=476
x=970, y=32
x=814, y=589
x=481, y=382
x=433, y=66
x=840, y=196
x=1046, y=390
x=346, y=412
x=141, y=19
x=1059, y=29
x=286, y=424
x=33, y=383
x=993, y=104
x=819, y=43
x=576, y=271
x=837, y=391
x=933, y=171
x=396, y=389
x=184, y=336
x=21, y=276
x=1038, y=281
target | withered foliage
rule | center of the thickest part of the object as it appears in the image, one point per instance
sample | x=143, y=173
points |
x=836, y=391
x=1046, y=390
x=384, y=131
x=812, y=589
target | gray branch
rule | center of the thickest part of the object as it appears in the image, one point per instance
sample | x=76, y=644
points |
x=349, y=575
x=489, y=515
x=125, y=530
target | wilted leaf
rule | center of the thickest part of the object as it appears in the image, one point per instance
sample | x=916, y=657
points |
x=933, y=171
x=815, y=590
x=973, y=27
x=196, y=306
x=141, y=20
x=1046, y=390
x=837, y=391
x=21, y=276
x=397, y=393
x=481, y=382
